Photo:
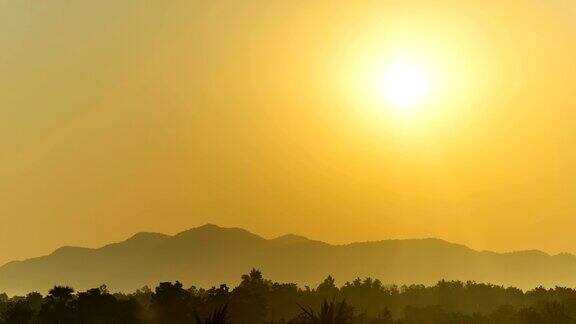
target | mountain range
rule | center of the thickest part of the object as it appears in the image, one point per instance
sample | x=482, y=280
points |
x=209, y=255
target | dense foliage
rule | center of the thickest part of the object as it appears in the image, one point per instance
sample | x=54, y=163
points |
x=257, y=300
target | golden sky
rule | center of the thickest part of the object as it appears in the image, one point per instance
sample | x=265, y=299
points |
x=126, y=116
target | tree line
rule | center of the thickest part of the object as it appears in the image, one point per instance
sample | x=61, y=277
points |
x=257, y=300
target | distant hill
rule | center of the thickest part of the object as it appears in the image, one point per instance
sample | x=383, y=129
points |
x=209, y=255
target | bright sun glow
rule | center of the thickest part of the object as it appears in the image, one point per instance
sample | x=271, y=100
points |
x=404, y=84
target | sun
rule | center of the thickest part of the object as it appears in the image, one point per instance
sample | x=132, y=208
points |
x=404, y=85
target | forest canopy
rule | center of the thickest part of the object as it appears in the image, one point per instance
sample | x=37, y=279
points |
x=258, y=300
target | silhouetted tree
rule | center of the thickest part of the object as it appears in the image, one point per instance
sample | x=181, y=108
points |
x=97, y=305
x=172, y=304
x=219, y=316
x=35, y=300
x=57, y=308
x=330, y=313
x=249, y=304
x=328, y=287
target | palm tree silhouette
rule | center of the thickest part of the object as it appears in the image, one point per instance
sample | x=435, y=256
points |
x=219, y=316
x=330, y=313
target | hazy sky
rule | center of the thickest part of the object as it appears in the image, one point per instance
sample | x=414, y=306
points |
x=126, y=116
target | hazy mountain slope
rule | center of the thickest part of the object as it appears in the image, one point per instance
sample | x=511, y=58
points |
x=209, y=255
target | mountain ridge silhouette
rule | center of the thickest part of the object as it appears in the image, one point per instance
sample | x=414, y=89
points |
x=209, y=255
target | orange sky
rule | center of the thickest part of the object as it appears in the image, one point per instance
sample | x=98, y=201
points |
x=123, y=116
